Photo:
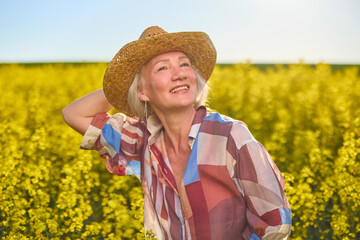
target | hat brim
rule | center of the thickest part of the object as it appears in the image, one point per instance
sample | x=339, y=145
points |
x=122, y=69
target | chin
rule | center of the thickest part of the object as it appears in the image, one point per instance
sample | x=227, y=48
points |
x=185, y=105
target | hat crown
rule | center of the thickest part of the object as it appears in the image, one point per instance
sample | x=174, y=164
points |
x=152, y=31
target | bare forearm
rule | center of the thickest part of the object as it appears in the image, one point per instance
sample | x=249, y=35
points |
x=80, y=113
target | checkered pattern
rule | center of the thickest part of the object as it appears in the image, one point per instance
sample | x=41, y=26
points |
x=231, y=188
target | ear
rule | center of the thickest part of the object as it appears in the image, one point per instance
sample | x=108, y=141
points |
x=141, y=95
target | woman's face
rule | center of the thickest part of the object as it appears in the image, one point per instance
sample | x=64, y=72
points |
x=168, y=82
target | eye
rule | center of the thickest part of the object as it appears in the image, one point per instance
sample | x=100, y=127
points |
x=185, y=64
x=162, y=68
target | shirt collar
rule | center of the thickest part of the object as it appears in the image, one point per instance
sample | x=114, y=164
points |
x=198, y=119
x=154, y=126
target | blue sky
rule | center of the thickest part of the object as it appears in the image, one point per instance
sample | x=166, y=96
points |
x=263, y=31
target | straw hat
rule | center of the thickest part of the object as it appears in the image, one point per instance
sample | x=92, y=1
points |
x=154, y=41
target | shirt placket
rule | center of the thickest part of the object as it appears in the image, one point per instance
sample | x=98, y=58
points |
x=164, y=168
x=169, y=177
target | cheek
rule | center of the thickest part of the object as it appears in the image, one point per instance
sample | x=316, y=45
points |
x=193, y=78
x=159, y=83
x=155, y=86
x=191, y=75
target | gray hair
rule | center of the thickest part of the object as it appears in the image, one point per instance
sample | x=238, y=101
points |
x=138, y=107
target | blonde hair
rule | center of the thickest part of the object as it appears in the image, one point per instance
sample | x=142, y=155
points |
x=138, y=107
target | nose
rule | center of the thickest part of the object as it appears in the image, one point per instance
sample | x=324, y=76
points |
x=178, y=73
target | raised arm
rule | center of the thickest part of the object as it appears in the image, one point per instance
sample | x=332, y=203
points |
x=80, y=113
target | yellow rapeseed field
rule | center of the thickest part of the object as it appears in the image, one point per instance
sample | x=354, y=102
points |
x=307, y=117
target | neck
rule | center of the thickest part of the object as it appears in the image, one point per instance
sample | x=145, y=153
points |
x=177, y=125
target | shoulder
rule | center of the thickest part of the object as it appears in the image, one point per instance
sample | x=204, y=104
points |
x=121, y=119
x=131, y=126
x=237, y=131
x=216, y=124
x=117, y=123
x=241, y=134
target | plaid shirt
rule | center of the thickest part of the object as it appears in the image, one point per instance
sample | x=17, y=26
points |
x=231, y=188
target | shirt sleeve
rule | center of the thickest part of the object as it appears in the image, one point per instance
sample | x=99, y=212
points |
x=118, y=140
x=262, y=185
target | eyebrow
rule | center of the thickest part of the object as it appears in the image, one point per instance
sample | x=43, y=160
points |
x=165, y=60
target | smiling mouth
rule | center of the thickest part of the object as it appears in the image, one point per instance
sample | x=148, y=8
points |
x=179, y=89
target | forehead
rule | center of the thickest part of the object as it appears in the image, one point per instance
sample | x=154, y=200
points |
x=165, y=56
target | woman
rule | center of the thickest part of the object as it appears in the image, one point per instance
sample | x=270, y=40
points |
x=204, y=176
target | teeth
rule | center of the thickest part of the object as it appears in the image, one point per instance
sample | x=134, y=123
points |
x=179, y=88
